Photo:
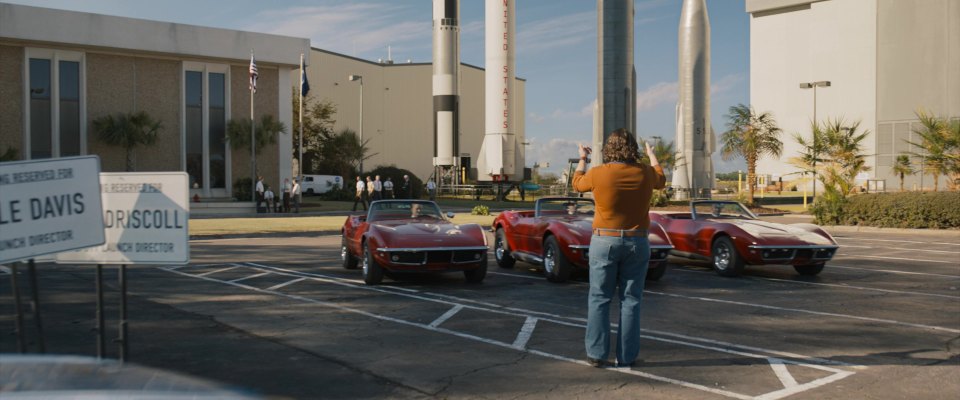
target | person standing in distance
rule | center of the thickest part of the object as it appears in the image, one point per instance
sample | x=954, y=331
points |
x=377, y=188
x=619, y=249
x=259, y=194
x=432, y=189
x=405, y=188
x=295, y=192
x=361, y=195
x=388, y=189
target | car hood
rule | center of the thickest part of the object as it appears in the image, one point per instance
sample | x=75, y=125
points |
x=421, y=234
x=779, y=233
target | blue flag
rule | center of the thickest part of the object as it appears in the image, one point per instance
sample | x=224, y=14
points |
x=304, y=84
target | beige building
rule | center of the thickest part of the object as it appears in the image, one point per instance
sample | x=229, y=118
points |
x=884, y=60
x=398, y=108
x=55, y=82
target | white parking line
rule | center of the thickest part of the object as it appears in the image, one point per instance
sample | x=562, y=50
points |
x=836, y=373
x=526, y=331
x=891, y=271
x=797, y=310
x=250, y=277
x=954, y=297
x=275, y=287
x=782, y=373
x=896, y=241
x=218, y=270
x=443, y=318
x=850, y=246
x=898, y=258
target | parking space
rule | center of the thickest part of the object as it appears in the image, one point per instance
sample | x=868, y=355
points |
x=865, y=327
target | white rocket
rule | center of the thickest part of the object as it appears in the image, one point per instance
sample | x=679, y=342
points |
x=446, y=79
x=695, y=137
x=499, y=156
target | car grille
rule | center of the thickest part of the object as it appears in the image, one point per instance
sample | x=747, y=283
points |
x=436, y=257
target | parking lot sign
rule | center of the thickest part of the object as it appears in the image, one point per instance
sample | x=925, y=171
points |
x=49, y=206
x=145, y=217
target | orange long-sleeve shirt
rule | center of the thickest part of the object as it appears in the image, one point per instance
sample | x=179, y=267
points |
x=621, y=192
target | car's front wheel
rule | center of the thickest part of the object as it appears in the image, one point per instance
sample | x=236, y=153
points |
x=349, y=261
x=372, y=271
x=656, y=271
x=809, y=270
x=501, y=250
x=476, y=275
x=726, y=260
x=556, y=264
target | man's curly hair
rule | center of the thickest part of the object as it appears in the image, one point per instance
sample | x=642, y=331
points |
x=621, y=146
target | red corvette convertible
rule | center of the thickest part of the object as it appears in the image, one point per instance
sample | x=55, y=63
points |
x=412, y=236
x=730, y=236
x=556, y=234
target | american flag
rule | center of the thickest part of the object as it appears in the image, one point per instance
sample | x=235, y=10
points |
x=253, y=74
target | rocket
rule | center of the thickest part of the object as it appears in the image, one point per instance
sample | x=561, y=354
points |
x=446, y=79
x=695, y=136
x=616, y=75
x=499, y=155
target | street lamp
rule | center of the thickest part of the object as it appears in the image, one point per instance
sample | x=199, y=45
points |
x=816, y=146
x=360, y=78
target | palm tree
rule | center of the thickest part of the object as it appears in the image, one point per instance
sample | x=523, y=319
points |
x=343, y=151
x=238, y=132
x=844, y=158
x=127, y=130
x=750, y=135
x=902, y=167
x=939, y=144
x=812, y=153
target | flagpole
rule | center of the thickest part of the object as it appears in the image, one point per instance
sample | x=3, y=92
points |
x=300, y=157
x=253, y=147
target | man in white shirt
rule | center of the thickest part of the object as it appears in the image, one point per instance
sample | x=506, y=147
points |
x=377, y=189
x=361, y=196
x=259, y=194
x=388, y=188
x=268, y=199
x=432, y=189
x=295, y=192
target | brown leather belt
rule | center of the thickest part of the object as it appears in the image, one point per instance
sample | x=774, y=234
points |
x=620, y=232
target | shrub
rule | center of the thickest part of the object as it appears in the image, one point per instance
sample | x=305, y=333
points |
x=242, y=189
x=936, y=210
x=659, y=199
x=338, y=193
x=480, y=210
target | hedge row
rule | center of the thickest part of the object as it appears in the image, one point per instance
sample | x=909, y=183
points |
x=936, y=210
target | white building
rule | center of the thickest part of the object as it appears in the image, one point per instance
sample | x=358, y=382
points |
x=398, y=109
x=884, y=60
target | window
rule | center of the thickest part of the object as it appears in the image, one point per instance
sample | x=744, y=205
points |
x=206, y=105
x=55, y=113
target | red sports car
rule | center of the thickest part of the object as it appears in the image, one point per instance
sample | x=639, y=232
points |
x=412, y=236
x=556, y=234
x=730, y=236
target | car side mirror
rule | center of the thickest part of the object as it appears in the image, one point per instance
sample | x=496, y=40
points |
x=449, y=214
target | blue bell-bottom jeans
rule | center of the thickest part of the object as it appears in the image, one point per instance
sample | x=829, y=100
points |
x=617, y=265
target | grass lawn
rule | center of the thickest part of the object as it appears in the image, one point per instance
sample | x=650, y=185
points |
x=244, y=226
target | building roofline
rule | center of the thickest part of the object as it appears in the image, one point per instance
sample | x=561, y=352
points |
x=333, y=53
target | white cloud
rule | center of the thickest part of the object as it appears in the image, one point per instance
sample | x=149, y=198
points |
x=663, y=92
x=561, y=31
x=536, y=118
x=556, y=151
x=348, y=28
x=726, y=83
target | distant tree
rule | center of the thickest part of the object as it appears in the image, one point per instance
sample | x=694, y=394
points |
x=728, y=176
x=342, y=152
x=940, y=142
x=843, y=161
x=318, y=120
x=238, y=132
x=812, y=152
x=902, y=167
x=750, y=135
x=10, y=154
x=666, y=156
x=127, y=130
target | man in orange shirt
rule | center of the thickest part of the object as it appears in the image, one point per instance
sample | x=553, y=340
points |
x=619, y=248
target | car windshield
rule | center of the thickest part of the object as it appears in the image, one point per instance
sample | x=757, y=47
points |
x=722, y=210
x=565, y=207
x=399, y=209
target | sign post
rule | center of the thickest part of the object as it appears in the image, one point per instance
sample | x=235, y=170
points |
x=145, y=217
x=46, y=206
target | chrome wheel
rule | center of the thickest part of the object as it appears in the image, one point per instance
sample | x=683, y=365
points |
x=499, y=251
x=726, y=260
x=550, y=261
x=343, y=252
x=721, y=259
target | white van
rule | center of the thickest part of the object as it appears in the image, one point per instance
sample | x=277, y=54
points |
x=316, y=184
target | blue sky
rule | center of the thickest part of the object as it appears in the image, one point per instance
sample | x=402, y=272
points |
x=556, y=51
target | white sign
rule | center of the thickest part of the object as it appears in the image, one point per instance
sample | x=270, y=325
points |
x=145, y=218
x=49, y=206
